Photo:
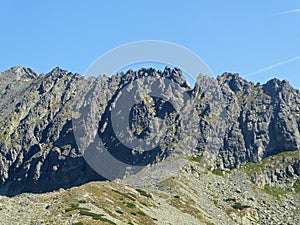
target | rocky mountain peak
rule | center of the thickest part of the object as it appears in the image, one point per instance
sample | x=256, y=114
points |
x=226, y=124
x=19, y=72
x=273, y=86
x=234, y=81
x=241, y=122
x=174, y=74
x=58, y=72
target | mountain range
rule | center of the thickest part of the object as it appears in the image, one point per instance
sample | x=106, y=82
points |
x=225, y=137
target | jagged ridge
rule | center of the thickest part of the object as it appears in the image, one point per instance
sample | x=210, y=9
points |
x=39, y=152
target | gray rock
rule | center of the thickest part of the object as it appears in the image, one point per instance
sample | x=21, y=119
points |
x=231, y=121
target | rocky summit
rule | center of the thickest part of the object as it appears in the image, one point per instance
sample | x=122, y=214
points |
x=144, y=147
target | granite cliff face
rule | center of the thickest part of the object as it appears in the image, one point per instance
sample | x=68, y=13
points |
x=265, y=120
x=227, y=120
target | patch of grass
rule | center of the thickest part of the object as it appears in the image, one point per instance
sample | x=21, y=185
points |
x=263, y=165
x=130, y=205
x=169, y=182
x=96, y=216
x=144, y=193
x=216, y=202
x=296, y=186
x=130, y=223
x=218, y=172
x=70, y=209
x=252, y=167
x=78, y=223
x=186, y=205
x=230, y=200
x=91, y=214
x=119, y=211
x=286, y=154
x=81, y=201
x=239, y=206
x=107, y=221
x=274, y=191
x=132, y=195
x=75, y=207
x=141, y=213
x=144, y=203
x=97, y=191
x=196, y=159
x=133, y=213
x=126, y=195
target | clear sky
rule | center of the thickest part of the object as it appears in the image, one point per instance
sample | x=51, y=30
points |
x=233, y=36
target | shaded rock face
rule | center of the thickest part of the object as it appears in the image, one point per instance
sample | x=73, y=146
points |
x=38, y=150
x=144, y=110
x=232, y=120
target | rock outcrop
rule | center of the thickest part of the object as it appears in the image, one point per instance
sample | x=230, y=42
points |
x=228, y=120
x=265, y=120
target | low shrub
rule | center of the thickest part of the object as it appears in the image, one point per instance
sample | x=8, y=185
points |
x=274, y=191
x=239, y=206
x=130, y=205
x=144, y=193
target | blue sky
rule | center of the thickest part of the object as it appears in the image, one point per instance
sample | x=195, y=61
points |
x=232, y=36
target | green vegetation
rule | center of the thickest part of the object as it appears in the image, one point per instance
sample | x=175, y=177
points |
x=141, y=213
x=186, y=205
x=235, y=204
x=176, y=196
x=263, y=165
x=218, y=172
x=144, y=204
x=75, y=207
x=196, y=159
x=283, y=154
x=170, y=182
x=127, y=195
x=230, y=200
x=216, y=202
x=239, y=206
x=70, y=209
x=296, y=186
x=251, y=167
x=96, y=216
x=130, y=205
x=78, y=223
x=274, y=191
x=144, y=193
x=119, y=211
